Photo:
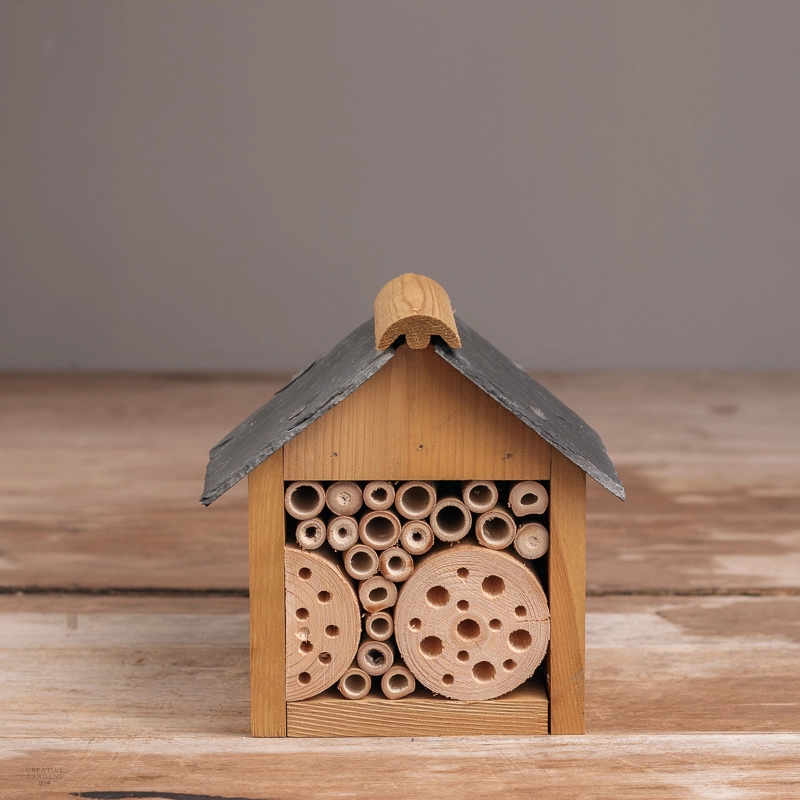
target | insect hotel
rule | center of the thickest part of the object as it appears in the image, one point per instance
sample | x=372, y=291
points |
x=417, y=536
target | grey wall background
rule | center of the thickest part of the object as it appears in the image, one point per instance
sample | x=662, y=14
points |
x=226, y=186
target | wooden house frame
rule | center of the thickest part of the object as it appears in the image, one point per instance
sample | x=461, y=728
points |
x=452, y=409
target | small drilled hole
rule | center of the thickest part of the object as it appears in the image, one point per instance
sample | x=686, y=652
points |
x=462, y=655
x=463, y=573
x=493, y=585
x=495, y=624
x=301, y=613
x=355, y=683
x=468, y=629
x=520, y=611
x=431, y=647
x=483, y=672
x=305, y=573
x=448, y=679
x=519, y=640
x=304, y=678
x=398, y=682
x=509, y=665
x=324, y=597
x=324, y=658
x=332, y=631
x=438, y=596
x=378, y=594
x=462, y=605
x=306, y=647
x=414, y=624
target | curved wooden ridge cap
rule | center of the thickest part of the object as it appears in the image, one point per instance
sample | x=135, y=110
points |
x=415, y=307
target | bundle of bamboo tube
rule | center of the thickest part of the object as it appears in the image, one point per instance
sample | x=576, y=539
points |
x=389, y=543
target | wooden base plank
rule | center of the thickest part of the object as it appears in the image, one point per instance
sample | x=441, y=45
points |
x=522, y=712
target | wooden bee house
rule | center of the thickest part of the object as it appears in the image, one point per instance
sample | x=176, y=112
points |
x=417, y=536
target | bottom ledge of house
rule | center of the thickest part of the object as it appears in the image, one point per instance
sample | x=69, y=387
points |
x=523, y=712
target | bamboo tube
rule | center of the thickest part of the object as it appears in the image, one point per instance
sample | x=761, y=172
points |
x=377, y=593
x=532, y=540
x=304, y=499
x=450, y=519
x=496, y=529
x=360, y=562
x=395, y=564
x=379, y=626
x=310, y=533
x=344, y=498
x=416, y=537
x=379, y=529
x=479, y=496
x=355, y=684
x=342, y=532
x=397, y=682
x=472, y=623
x=528, y=497
x=415, y=499
x=374, y=658
x=322, y=622
x=378, y=495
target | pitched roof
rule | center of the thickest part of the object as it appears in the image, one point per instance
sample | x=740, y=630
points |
x=336, y=375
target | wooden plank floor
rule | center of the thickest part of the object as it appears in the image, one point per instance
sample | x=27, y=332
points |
x=124, y=620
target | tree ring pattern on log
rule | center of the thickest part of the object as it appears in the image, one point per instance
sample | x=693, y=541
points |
x=323, y=623
x=472, y=623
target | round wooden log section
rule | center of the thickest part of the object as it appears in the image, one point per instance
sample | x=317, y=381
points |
x=397, y=682
x=528, y=497
x=379, y=529
x=396, y=565
x=496, y=529
x=304, y=499
x=344, y=498
x=310, y=533
x=355, y=684
x=415, y=499
x=532, y=540
x=342, y=532
x=378, y=495
x=379, y=626
x=323, y=623
x=472, y=623
x=416, y=537
x=360, y=562
x=479, y=496
x=375, y=658
x=450, y=519
x=377, y=593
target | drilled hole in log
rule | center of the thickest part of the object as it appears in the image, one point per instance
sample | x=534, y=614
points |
x=431, y=647
x=332, y=631
x=520, y=611
x=304, y=678
x=398, y=682
x=493, y=585
x=301, y=613
x=306, y=647
x=519, y=640
x=483, y=672
x=324, y=597
x=462, y=655
x=437, y=596
x=304, y=573
x=509, y=665
x=468, y=629
x=355, y=683
x=324, y=658
x=378, y=594
x=415, y=624
x=462, y=605
x=462, y=573
x=448, y=679
x=495, y=624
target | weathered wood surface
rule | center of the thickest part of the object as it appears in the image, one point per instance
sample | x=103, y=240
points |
x=102, y=474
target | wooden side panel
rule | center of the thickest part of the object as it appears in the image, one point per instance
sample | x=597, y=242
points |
x=567, y=590
x=523, y=712
x=267, y=622
x=417, y=417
